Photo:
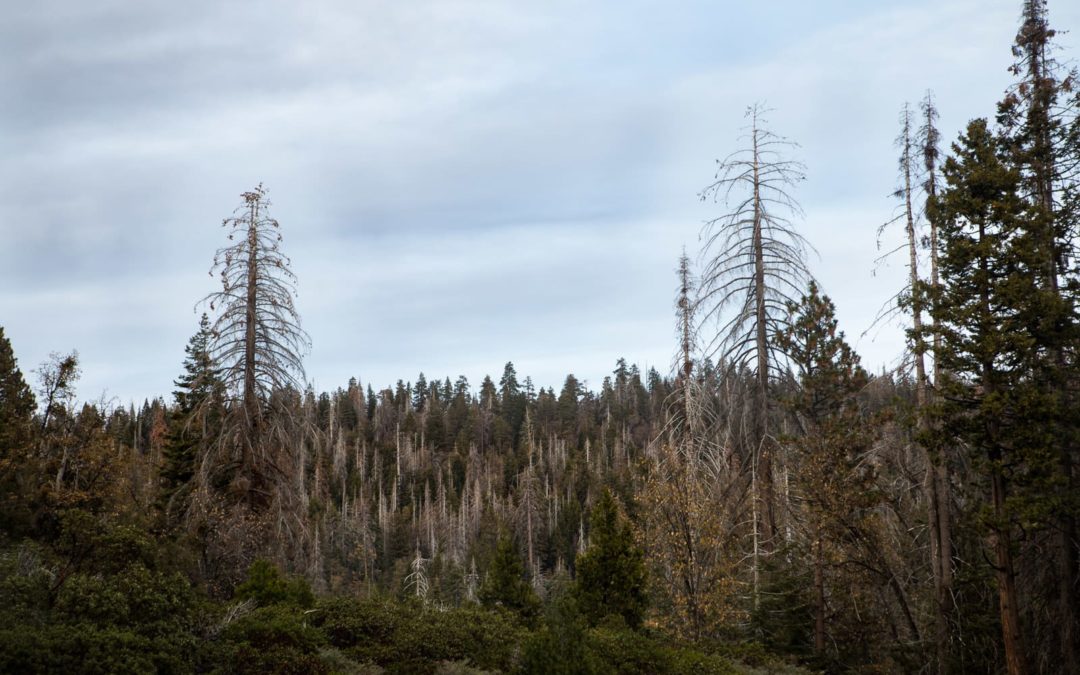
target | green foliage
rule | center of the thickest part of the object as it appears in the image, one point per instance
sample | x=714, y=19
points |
x=16, y=410
x=561, y=645
x=566, y=646
x=631, y=652
x=97, y=604
x=81, y=649
x=194, y=420
x=505, y=585
x=611, y=572
x=830, y=376
x=266, y=585
x=273, y=640
x=784, y=618
x=409, y=638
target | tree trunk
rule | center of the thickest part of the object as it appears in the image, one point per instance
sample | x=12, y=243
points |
x=1015, y=658
x=251, y=400
x=937, y=477
x=819, y=599
x=763, y=455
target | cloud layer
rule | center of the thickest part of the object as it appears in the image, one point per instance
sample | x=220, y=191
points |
x=460, y=183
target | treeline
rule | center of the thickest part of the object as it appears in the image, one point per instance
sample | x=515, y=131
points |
x=482, y=530
x=770, y=500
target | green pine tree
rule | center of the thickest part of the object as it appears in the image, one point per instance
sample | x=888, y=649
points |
x=195, y=418
x=1040, y=123
x=836, y=489
x=990, y=405
x=505, y=584
x=16, y=405
x=16, y=427
x=611, y=571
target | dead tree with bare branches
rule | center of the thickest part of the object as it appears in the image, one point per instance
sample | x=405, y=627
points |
x=258, y=345
x=754, y=266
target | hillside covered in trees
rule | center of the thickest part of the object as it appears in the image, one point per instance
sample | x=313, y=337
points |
x=769, y=505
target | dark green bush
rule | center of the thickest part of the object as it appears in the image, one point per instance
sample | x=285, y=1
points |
x=268, y=586
x=84, y=649
x=562, y=645
x=414, y=639
x=94, y=603
x=626, y=651
x=273, y=640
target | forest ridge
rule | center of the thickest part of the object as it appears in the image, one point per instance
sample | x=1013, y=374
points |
x=767, y=506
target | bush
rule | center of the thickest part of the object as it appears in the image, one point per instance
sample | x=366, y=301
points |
x=268, y=586
x=414, y=639
x=273, y=640
x=624, y=651
x=561, y=646
x=108, y=615
x=83, y=649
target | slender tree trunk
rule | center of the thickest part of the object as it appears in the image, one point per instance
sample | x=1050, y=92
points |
x=1015, y=657
x=932, y=486
x=1069, y=591
x=819, y=598
x=686, y=321
x=62, y=468
x=529, y=518
x=913, y=274
x=938, y=470
x=251, y=400
x=764, y=458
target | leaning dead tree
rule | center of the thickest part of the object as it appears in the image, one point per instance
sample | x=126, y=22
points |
x=754, y=265
x=257, y=344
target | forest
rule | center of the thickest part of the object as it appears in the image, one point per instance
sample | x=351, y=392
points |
x=767, y=506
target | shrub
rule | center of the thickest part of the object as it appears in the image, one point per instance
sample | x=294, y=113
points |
x=273, y=640
x=268, y=586
x=415, y=639
x=561, y=646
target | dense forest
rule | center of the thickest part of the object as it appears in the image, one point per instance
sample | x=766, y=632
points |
x=768, y=505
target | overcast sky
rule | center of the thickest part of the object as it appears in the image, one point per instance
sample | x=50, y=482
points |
x=460, y=183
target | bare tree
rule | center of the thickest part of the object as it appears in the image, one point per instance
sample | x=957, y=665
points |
x=755, y=264
x=938, y=482
x=689, y=417
x=416, y=581
x=913, y=299
x=258, y=345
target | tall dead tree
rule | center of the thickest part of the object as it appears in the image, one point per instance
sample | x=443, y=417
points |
x=912, y=142
x=755, y=264
x=686, y=417
x=258, y=345
x=938, y=481
x=912, y=295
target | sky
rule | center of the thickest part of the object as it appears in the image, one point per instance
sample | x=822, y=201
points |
x=460, y=183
